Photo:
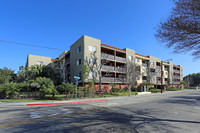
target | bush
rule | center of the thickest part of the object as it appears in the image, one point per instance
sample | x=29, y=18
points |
x=125, y=89
x=45, y=86
x=154, y=90
x=9, y=90
x=172, y=89
x=133, y=89
x=66, y=88
x=115, y=90
x=84, y=91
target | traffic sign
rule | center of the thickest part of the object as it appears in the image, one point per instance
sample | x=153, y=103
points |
x=76, y=77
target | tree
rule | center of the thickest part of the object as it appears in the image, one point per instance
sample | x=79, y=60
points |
x=21, y=75
x=9, y=89
x=192, y=79
x=85, y=73
x=45, y=86
x=6, y=75
x=95, y=67
x=133, y=71
x=182, y=28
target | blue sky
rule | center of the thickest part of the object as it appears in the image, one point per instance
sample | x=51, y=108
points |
x=59, y=23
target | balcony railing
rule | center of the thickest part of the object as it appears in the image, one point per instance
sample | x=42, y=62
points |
x=176, y=71
x=144, y=81
x=121, y=80
x=107, y=56
x=108, y=68
x=144, y=64
x=176, y=82
x=120, y=59
x=119, y=69
x=107, y=79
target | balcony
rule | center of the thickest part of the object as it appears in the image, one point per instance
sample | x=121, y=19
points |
x=107, y=56
x=144, y=81
x=108, y=68
x=108, y=80
x=176, y=71
x=121, y=59
x=119, y=69
x=176, y=82
x=121, y=80
x=144, y=65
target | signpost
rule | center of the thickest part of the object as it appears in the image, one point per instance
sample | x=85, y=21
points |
x=76, y=78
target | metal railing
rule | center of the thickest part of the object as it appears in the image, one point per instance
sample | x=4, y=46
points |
x=120, y=59
x=176, y=71
x=121, y=80
x=119, y=69
x=107, y=79
x=144, y=65
x=107, y=56
x=109, y=68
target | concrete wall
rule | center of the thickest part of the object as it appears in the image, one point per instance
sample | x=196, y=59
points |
x=34, y=59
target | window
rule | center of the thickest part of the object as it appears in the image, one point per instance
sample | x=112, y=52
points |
x=137, y=78
x=136, y=60
x=78, y=50
x=79, y=62
x=130, y=57
x=40, y=63
x=93, y=74
x=165, y=73
x=91, y=61
x=92, y=48
x=152, y=63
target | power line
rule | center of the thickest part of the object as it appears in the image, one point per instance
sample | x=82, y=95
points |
x=32, y=45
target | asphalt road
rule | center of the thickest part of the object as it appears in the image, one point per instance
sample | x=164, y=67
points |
x=173, y=112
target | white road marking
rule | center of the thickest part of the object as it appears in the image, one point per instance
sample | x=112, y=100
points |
x=49, y=113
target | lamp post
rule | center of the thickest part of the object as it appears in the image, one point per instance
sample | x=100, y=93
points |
x=162, y=74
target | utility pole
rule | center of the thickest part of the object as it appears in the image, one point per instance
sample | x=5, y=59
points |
x=161, y=76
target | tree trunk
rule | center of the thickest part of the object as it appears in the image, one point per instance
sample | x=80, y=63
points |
x=129, y=89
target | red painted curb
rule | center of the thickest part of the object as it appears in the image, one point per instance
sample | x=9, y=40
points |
x=39, y=104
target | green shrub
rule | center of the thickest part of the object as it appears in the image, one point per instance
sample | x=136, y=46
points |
x=151, y=88
x=154, y=90
x=45, y=86
x=125, y=89
x=115, y=90
x=9, y=90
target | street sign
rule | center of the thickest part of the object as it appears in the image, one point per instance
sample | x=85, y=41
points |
x=76, y=77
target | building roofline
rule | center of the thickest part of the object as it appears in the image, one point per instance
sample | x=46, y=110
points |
x=113, y=47
x=142, y=55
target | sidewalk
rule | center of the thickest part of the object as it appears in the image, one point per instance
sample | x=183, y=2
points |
x=85, y=100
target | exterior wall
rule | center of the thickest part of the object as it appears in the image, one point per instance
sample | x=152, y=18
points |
x=107, y=87
x=119, y=58
x=89, y=41
x=74, y=56
x=33, y=59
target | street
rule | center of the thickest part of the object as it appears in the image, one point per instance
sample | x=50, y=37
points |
x=170, y=112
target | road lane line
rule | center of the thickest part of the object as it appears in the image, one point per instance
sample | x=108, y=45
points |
x=73, y=114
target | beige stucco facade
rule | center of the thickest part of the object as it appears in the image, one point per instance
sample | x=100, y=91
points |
x=70, y=62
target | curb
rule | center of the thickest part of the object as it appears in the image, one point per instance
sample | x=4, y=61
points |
x=45, y=104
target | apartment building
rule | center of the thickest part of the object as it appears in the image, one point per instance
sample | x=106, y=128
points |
x=69, y=64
